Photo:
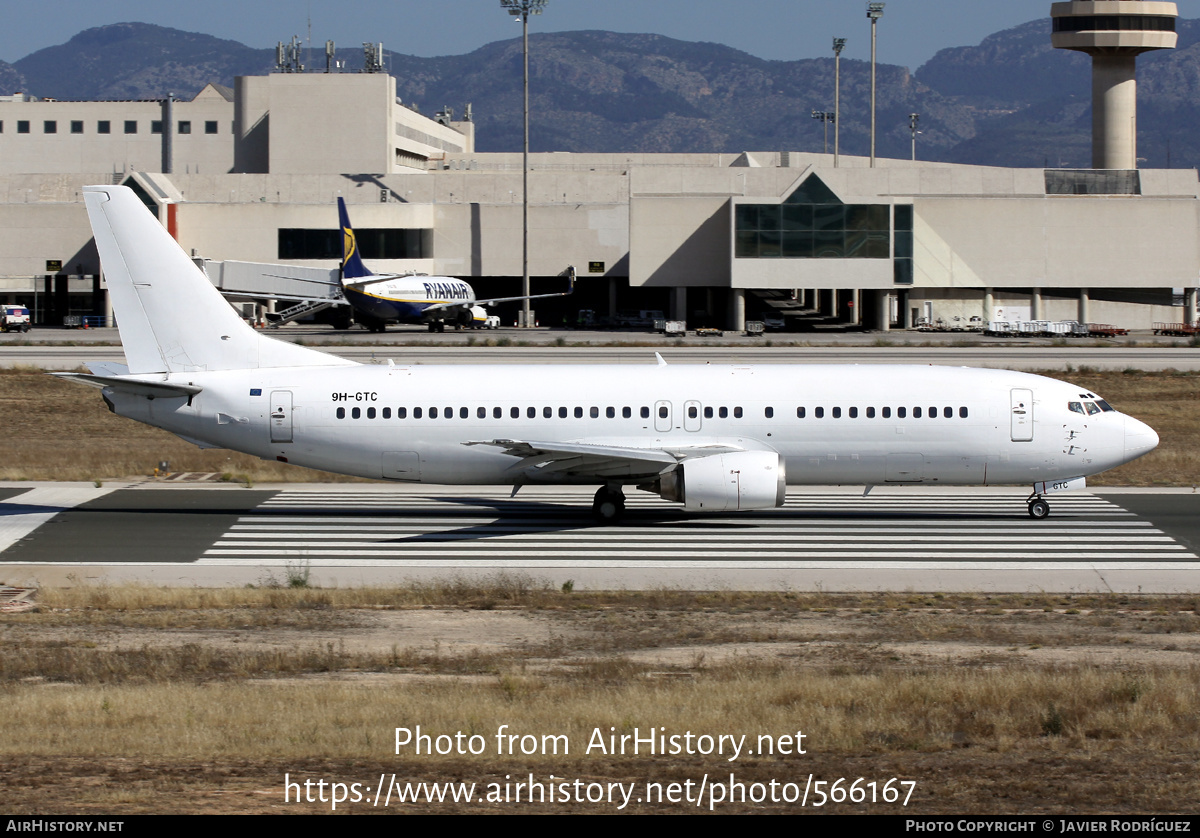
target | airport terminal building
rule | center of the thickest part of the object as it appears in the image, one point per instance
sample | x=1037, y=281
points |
x=252, y=174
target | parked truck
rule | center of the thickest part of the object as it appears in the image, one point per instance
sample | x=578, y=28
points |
x=14, y=318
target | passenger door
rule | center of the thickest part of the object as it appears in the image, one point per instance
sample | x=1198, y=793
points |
x=1022, y=415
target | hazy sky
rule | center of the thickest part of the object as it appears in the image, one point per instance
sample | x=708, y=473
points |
x=910, y=32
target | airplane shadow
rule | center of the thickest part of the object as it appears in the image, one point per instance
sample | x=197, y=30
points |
x=26, y=509
x=517, y=517
x=510, y=515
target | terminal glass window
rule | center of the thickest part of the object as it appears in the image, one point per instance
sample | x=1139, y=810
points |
x=156, y=126
x=185, y=127
x=372, y=243
x=131, y=126
x=813, y=223
x=22, y=126
x=103, y=127
x=50, y=126
x=210, y=126
x=902, y=242
x=76, y=126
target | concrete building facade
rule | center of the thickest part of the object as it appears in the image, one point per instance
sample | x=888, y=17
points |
x=705, y=237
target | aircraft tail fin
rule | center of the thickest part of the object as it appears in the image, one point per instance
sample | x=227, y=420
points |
x=352, y=264
x=170, y=316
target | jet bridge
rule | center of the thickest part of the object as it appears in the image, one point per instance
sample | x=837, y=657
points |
x=310, y=290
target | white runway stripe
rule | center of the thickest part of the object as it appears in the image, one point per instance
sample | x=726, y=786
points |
x=417, y=526
x=644, y=564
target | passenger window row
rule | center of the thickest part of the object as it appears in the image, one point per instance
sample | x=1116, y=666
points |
x=693, y=412
x=883, y=412
x=577, y=412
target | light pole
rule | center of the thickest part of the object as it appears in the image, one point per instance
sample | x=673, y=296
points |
x=826, y=117
x=523, y=9
x=874, y=12
x=838, y=45
x=913, y=119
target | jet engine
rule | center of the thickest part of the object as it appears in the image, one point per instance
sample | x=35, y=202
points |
x=725, y=482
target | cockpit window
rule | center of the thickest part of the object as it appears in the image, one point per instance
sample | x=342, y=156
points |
x=1105, y=406
x=1091, y=408
x=1076, y=407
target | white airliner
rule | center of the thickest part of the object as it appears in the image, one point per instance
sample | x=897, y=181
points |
x=715, y=438
x=433, y=300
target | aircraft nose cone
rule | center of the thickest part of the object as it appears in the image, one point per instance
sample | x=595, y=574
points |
x=1140, y=438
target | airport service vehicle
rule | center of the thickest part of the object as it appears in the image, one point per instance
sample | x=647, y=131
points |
x=14, y=318
x=714, y=438
x=434, y=300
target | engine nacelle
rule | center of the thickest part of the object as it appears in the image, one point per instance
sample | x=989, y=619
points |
x=726, y=482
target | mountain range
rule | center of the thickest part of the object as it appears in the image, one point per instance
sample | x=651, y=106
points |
x=1011, y=100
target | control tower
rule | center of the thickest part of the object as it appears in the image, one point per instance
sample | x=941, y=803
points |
x=1113, y=33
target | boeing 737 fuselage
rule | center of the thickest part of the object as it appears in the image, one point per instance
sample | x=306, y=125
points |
x=715, y=438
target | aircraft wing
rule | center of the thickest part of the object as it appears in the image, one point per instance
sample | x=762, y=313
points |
x=578, y=459
x=569, y=273
x=360, y=284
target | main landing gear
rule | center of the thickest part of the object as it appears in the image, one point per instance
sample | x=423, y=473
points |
x=1038, y=507
x=608, y=506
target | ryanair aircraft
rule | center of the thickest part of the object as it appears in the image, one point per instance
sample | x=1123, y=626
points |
x=714, y=438
x=434, y=300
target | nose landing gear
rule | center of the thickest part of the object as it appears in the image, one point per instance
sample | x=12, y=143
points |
x=1038, y=507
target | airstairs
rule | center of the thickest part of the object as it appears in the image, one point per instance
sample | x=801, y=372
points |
x=278, y=318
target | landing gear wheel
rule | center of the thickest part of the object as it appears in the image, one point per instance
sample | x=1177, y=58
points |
x=1038, y=508
x=608, y=507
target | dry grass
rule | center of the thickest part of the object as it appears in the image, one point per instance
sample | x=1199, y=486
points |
x=141, y=699
x=59, y=431
x=141, y=634
x=515, y=590
x=920, y=710
x=272, y=595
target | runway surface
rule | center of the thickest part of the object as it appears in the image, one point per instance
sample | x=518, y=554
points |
x=824, y=538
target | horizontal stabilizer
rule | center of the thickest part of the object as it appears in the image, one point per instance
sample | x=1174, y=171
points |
x=107, y=368
x=133, y=386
